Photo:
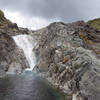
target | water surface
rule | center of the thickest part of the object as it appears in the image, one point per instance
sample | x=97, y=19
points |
x=25, y=87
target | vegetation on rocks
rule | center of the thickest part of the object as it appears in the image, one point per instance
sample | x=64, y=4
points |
x=84, y=38
x=95, y=23
x=2, y=18
x=1, y=15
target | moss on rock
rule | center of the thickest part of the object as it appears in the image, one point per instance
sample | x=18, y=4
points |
x=2, y=17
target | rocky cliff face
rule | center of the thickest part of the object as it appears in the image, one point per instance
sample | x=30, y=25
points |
x=12, y=59
x=68, y=56
x=10, y=28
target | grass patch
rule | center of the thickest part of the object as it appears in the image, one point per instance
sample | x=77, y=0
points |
x=95, y=23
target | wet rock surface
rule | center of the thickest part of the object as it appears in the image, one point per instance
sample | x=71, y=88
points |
x=68, y=56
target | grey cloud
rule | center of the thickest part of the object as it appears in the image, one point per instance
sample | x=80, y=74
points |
x=66, y=10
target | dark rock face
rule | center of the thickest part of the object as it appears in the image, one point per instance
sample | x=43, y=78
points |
x=13, y=30
x=69, y=55
x=11, y=58
x=6, y=26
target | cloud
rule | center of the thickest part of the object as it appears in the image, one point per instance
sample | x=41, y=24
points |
x=66, y=10
x=38, y=13
x=26, y=22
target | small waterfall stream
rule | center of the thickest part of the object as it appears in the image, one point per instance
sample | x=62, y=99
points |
x=27, y=43
x=75, y=97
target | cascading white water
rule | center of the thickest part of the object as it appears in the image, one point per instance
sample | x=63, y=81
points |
x=27, y=43
x=74, y=97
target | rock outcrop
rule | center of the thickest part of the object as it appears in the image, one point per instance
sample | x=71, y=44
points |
x=68, y=56
x=10, y=28
x=12, y=59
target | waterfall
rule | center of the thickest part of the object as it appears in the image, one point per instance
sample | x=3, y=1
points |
x=75, y=97
x=27, y=43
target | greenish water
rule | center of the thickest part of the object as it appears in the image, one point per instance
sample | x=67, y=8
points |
x=27, y=87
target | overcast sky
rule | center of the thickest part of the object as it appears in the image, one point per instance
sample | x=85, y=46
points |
x=39, y=13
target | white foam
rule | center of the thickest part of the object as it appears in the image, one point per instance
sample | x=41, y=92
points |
x=74, y=97
x=27, y=43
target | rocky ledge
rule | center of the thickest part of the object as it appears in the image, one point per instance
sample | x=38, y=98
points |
x=68, y=57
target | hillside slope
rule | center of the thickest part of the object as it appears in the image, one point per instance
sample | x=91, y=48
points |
x=95, y=23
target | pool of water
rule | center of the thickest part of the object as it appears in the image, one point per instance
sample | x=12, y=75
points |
x=26, y=87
